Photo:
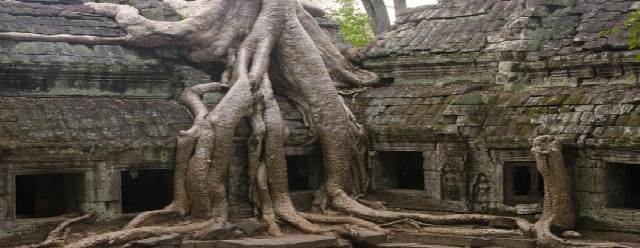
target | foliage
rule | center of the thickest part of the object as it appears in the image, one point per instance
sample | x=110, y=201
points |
x=632, y=26
x=354, y=23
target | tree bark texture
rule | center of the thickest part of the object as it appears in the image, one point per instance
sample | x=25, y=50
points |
x=378, y=15
x=399, y=5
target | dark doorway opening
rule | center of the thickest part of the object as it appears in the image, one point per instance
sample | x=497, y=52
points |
x=523, y=183
x=304, y=172
x=402, y=170
x=623, y=191
x=144, y=190
x=48, y=195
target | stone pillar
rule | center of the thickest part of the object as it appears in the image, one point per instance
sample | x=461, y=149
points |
x=7, y=205
x=445, y=174
x=102, y=191
x=374, y=164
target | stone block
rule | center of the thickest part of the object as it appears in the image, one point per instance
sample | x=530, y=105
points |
x=502, y=223
x=252, y=226
x=218, y=231
x=169, y=240
x=284, y=241
x=199, y=244
x=369, y=238
x=441, y=239
x=514, y=242
x=527, y=209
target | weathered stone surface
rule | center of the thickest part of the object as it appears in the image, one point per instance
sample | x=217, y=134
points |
x=438, y=239
x=251, y=226
x=502, y=223
x=218, y=231
x=514, y=242
x=370, y=238
x=412, y=245
x=429, y=45
x=571, y=235
x=170, y=240
x=285, y=241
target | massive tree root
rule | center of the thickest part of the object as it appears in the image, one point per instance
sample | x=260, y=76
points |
x=558, y=212
x=270, y=46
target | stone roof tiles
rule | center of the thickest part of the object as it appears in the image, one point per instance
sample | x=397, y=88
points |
x=513, y=44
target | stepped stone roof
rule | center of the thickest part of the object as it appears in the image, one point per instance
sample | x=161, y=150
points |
x=55, y=19
x=67, y=132
x=512, y=43
x=551, y=27
x=603, y=117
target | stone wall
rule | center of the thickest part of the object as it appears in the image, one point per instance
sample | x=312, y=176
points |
x=478, y=80
x=465, y=131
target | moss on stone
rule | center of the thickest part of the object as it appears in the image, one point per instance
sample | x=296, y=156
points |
x=633, y=121
x=536, y=110
x=577, y=99
x=553, y=100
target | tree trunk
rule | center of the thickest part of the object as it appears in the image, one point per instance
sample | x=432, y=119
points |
x=558, y=213
x=558, y=203
x=378, y=15
x=399, y=5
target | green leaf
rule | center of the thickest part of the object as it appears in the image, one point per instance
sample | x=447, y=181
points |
x=354, y=24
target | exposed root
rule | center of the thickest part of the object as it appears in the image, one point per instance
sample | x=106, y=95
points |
x=473, y=231
x=150, y=217
x=57, y=237
x=546, y=239
x=558, y=208
x=349, y=220
x=415, y=224
x=128, y=235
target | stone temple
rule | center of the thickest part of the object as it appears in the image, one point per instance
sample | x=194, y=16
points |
x=468, y=84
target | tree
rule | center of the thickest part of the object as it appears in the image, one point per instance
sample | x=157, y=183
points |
x=378, y=15
x=355, y=27
x=399, y=5
x=267, y=46
x=632, y=26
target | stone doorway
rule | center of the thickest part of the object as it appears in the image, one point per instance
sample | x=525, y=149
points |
x=402, y=170
x=304, y=172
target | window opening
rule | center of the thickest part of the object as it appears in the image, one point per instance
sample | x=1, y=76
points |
x=402, y=170
x=144, y=190
x=47, y=195
x=623, y=190
x=303, y=172
x=523, y=183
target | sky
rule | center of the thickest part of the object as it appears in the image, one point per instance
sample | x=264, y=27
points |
x=410, y=3
x=413, y=3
